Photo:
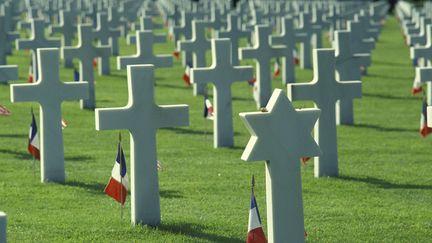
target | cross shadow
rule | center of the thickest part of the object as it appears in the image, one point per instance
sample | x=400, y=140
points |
x=173, y=86
x=242, y=99
x=18, y=154
x=196, y=231
x=384, y=129
x=383, y=183
x=79, y=158
x=13, y=136
x=95, y=187
x=389, y=63
x=180, y=130
x=390, y=97
x=170, y=194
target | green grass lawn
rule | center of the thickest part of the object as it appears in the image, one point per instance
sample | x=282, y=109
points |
x=383, y=194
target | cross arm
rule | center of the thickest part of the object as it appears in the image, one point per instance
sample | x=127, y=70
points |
x=8, y=72
x=24, y=92
x=351, y=89
x=12, y=36
x=74, y=90
x=172, y=115
x=23, y=44
x=247, y=53
x=424, y=74
x=418, y=52
x=363, y=59
x=113, y=119
x=70, y=52
x=185, y=45
x=302, y=91
x=242, y=73
x=203, y=75
x=103, y=51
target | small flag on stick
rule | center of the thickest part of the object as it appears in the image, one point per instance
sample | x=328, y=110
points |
x=424, y=129
x=255, y=230
x=208, y=109
x=186, y=75
x=33, y=143
x=117, y=187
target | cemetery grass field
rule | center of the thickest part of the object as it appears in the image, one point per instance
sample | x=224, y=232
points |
x=383, y=194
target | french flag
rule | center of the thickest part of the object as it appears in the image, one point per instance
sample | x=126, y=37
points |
x=417, y=87
x=296, y=58
x=255, y=230
x=424, y=129
x=117, y=187
x=186, y=74
x=33, y=144
x=176, y=54
x=30, y=77
x=276, y=69
x=208, y=109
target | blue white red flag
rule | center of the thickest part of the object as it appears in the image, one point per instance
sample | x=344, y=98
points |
x=30, y=78
x=33, y=143
x=424, y=129
x=276, y=68
x=208, y=109
x=186, y=74
x=118, y=184
x=255, y=230
x=417, y=86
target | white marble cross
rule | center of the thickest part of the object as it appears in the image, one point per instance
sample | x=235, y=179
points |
x=262, y=52
x=281, y=137
x=37, y=40
x=50, y=92
x=348, y=68
x=67, y=27
x=424, y=75
x=145, y=55
x=142, y=117
x=106, y=37
x=287, y=39
x=222, y=74
x=5, y=39
x=86, y=52
x=424, y=52
x=304, y=35
x=198, y=45
x=358, y=42
x=146, y=23
x=325, y=90
x=3, y=224
x=234, y=33
x=8, y=73
x=185, y=29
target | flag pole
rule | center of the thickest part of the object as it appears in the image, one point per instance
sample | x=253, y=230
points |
x=121, y=179
x=34, y=161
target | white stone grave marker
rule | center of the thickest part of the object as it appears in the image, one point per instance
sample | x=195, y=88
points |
x=325, y=90
x=142, y=117
x=281, y=137
x=50, y=92
x=222, y=74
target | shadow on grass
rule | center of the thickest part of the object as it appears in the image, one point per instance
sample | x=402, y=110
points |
x=196, y=231
x=173, y=86
x=390, y=97
x=389, y=63
x=13, y=135
x=384, y=129
x=170, y=194
x=384, y=184
x=79, y=158
x=180, y=130
x=18, y=154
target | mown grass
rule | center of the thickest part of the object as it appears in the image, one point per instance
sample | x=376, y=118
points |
x=383, y=193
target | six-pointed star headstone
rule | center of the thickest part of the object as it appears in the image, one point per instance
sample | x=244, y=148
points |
x=325, y=91
x=86, y=52
x=50, y=92
x=222, y=74
x=142, y=117
x=281, y=137
x=144, y=55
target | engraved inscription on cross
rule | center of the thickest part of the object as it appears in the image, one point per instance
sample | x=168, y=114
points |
x=37, y=40
x=142, y=117
x=222, y=74
x=86, y=52
x=325, y=91
x=50, y=92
